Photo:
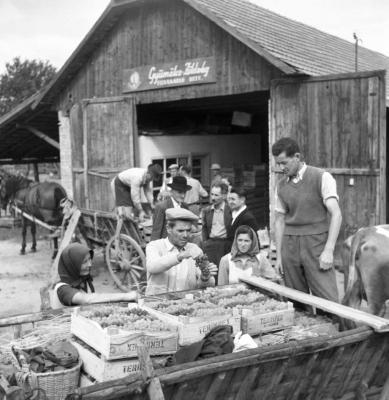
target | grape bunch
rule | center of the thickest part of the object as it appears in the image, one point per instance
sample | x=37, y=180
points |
x=202, y=262
x=134, y=319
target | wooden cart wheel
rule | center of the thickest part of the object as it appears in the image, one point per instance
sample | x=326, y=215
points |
x=127, y=263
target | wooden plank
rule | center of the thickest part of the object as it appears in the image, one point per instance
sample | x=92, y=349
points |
x=154, y=388
x=41, y=135
x=85, y=153
x=66, y=240
x=377, y=323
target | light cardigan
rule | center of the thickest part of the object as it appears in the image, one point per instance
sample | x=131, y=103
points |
x=260, y=268
x=184, y=275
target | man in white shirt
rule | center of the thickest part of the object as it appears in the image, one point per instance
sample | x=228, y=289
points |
x=127, y=186
x=170, y=262
x=307, y=223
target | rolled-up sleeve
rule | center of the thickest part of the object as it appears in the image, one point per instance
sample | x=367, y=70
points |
x=280, y=206
x=328, y=187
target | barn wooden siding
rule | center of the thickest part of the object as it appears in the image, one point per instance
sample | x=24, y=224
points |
x=339, y=122
x=104, y=147
x=167, y=32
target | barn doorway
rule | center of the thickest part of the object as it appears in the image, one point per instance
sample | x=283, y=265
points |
x=229, y=130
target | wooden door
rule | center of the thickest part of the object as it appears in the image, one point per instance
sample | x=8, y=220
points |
x=339, y=122
x=108, y=144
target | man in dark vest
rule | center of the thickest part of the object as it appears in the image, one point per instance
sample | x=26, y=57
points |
x=307, y=223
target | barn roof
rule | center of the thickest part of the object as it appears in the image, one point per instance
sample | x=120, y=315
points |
x=291, y=46
x=18, y=143
x=308, y=50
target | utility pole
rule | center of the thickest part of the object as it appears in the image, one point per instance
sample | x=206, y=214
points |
x=357, y=40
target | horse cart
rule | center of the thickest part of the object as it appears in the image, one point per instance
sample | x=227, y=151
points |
x=123, y=241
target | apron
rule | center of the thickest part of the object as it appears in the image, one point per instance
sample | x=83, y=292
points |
x=54, y=300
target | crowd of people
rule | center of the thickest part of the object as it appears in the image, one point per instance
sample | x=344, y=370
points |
x=307, y=225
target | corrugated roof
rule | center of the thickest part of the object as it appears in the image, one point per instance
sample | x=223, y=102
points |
x=309, y=50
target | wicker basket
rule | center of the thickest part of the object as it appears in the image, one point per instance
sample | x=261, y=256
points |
x=56, y=385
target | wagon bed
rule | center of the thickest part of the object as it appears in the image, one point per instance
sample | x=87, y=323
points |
x=353, y=364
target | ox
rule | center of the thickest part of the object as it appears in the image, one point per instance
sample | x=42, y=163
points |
x=366, y=268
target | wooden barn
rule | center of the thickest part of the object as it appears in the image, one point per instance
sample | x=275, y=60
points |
x=204, y=81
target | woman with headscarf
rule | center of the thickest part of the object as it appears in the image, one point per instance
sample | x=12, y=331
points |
x=74, y=269
x=244, y=259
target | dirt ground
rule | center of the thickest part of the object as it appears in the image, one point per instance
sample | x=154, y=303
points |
x=21, y=276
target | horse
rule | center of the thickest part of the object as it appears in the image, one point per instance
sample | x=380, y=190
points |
x=40, y=200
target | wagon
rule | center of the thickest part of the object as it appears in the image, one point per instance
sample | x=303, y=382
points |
x=123, y=241
x=353, y=364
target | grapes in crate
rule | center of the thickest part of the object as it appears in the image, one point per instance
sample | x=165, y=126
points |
x=134, y=319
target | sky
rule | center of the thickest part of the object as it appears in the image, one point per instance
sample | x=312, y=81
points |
x=52, y=29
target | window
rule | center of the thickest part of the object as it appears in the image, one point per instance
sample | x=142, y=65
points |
x=197, y=162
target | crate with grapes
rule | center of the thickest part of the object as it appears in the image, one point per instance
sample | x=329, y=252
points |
x=115, y=331
x=259, y=313
x=192, y=316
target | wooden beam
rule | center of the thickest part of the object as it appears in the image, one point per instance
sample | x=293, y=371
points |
x=358, y=316
x=40, y=134
x=33, y=219
x=345, y=171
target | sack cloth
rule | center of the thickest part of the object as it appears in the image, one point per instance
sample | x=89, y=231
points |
x=217, y=342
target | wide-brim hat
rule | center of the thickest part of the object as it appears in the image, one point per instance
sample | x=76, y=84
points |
x=215, y=166
x=179, y=183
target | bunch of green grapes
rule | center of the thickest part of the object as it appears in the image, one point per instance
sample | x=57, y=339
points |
x=202, y=262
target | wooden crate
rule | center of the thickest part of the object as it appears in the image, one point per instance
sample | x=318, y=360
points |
x=97, y=367
x=117, y=343
x=255, y=324
x=191, y=329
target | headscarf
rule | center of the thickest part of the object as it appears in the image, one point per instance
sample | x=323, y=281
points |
x=69, y=267
x=254, y=248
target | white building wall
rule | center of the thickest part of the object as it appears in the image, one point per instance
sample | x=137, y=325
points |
x=226, y=150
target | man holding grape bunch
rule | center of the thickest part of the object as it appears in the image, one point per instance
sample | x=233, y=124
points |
x=173, y=263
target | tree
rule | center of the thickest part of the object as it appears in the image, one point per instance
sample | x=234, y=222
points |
x=21, y=80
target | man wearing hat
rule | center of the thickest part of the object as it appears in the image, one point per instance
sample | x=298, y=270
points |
x=170, y=262
x=164, y=192
x=128, y=185
x=178, y=188
x=216, y=176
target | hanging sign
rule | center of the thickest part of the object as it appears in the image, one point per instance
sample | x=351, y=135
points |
x=159, y=76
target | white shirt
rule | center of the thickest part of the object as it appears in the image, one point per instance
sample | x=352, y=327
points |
x=136, y=179
x=328, y=188
x=236, y=213
x=175, y=203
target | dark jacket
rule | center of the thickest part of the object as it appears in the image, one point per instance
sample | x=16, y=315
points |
x=244, y=218
x=159, y=219
x=207, y=221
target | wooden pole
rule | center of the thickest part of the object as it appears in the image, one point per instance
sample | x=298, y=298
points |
x=33, y=219
x=358, y=316
x=154, y=388
x=36, y=172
